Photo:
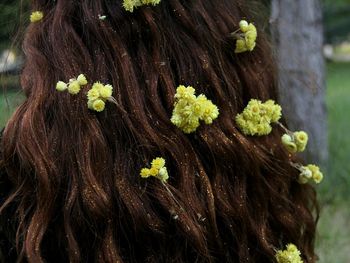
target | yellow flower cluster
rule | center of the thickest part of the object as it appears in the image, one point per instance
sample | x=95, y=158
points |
x=247, y=40
x=157, y=170
x=295, y=142
x=290, y=255
x=97, y=96
x=73, y=86
x=36, y=16
x=308, y=172
x=257, y=117
x=129, y=5
x=189, y=109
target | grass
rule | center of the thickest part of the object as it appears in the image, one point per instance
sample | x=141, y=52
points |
x=8, y=103
x=10, y=97
x=333, y=241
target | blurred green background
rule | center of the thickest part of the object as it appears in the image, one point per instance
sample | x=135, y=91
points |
x=333, y=241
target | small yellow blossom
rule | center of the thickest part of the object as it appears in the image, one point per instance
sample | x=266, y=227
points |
x=93, y=94
x=36, y=16
x=274, y=111
x=74, y=87
x=308, y=172
x=129, y=5
x=61, y=86
x=300, y=138
x=100, y=93
x=288, y=142
x=97, y=85
x=243, y=25
x=295, y=142
x=189, y=109
x=106, y=91
x=150, y=2
x=302, y=179
x=290, y=255
x=247, y=40
x=82, y=80
x=240, y=46
x=98, y=105
x=145, y=173
x=305, y=175
x=157, y=170
x=153, y=171
x=158, y=163
x=317, y=175
x=257, y=117
x=163, y=174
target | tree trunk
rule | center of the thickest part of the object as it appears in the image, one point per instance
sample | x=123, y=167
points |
x=298, y=36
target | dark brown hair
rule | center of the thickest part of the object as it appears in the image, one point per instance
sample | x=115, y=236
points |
x=77, y=194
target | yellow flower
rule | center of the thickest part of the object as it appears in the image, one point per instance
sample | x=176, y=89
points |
x=247, y=40
x=317, y=175
x=61, y=86
x=163, y=174
x=305, y=175
x=250, y=38
x=82, y=80
x=302, y=179
x=106, y=91
x=93, y=94
x=73, y=87
x=129, y=5
x=263, y=128
x=158, y=163
x=145, y=173
x=290, y=255
x=300, y=138
x=187, y=93
x=97, y=96
x=288, y=142
x=189, y=109
x=308, y=172
x=36, y=16
x=157, y=170
x=150, y=2
x=257, y=117
x=153, y=171
x=97, y=85
x=272, y=110
x=243, y=25
x=241, y=46
x=98, y=105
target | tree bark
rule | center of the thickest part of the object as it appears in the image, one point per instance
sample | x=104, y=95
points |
x=297, y=31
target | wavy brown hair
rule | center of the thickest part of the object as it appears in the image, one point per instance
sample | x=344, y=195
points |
x=76, y=191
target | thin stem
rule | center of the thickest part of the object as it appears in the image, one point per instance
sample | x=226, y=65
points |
x=114, y=101
x=284, y=128
x=297, y=166
x=172, y=196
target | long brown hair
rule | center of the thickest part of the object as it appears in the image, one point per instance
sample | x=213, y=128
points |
x=77, y=192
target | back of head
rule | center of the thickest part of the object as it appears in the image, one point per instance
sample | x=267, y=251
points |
x=77, y=191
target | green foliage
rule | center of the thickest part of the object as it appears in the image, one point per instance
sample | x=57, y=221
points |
x=337, y=20
x=337, y=183
x=9, y=100
x=333, y=240
x=10, y=19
